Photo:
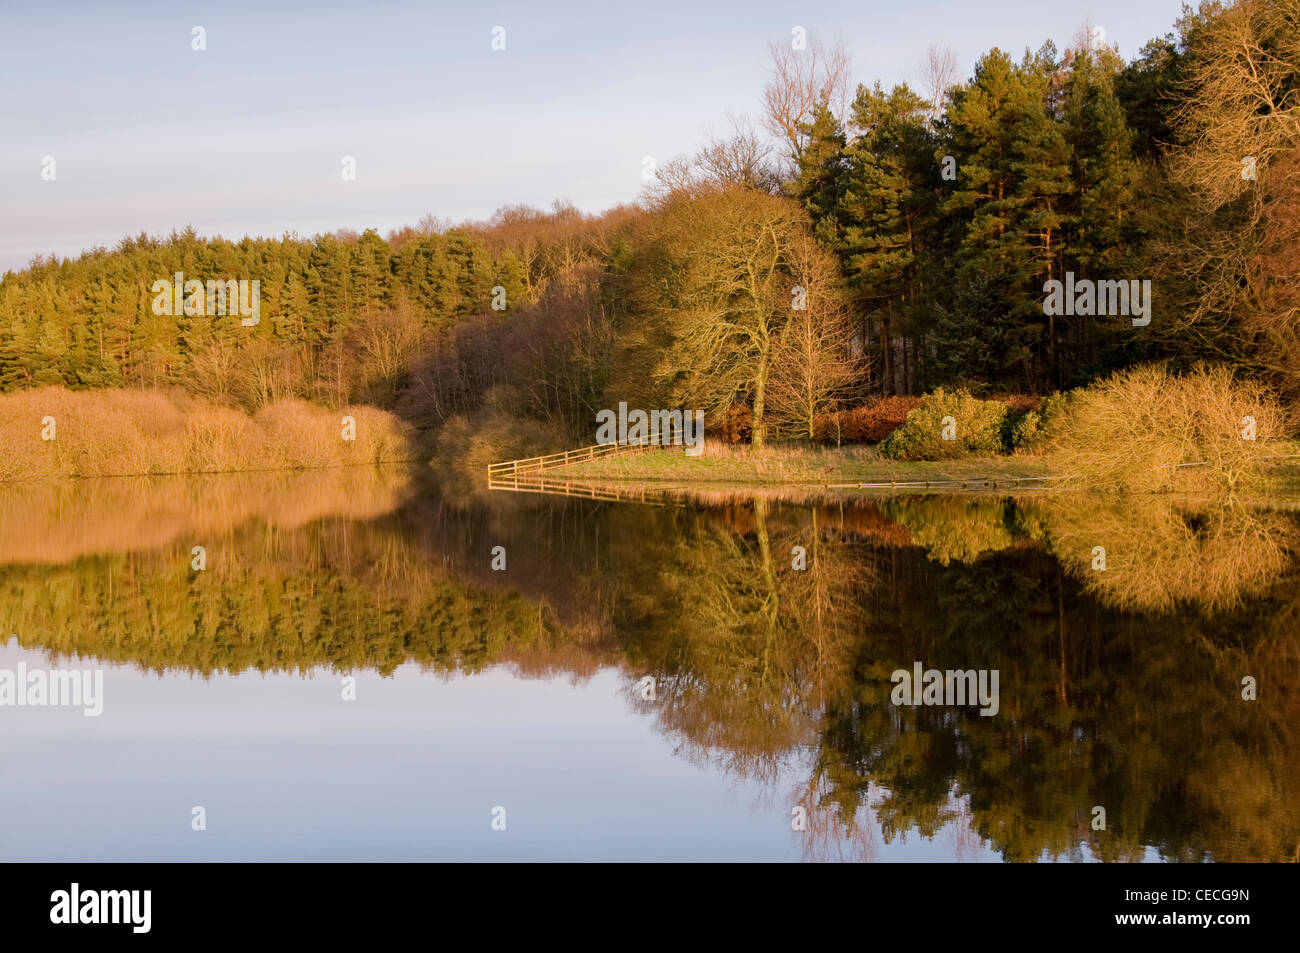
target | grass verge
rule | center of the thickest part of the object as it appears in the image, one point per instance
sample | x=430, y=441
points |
x=741, y=465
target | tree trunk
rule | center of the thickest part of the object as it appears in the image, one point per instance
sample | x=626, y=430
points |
x=887, y=354
x=756, y=426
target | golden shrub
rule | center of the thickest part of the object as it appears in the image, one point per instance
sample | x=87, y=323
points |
x=1147, y=430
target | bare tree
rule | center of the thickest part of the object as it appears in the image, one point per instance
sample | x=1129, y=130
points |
x=386, y=345
x=675, y=177
x=1239, y=122
x=938, y=74
x=801, y=78
x=430, y=224
x=741, y=158
x=1241, y=98
x=723, y=282
x=1090, y=40
x=214, y=371
x=265, y=373
x=813, y=368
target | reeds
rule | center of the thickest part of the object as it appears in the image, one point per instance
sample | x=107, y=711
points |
x=53, y=433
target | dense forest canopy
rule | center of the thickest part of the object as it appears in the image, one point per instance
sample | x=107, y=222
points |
x=915, y=229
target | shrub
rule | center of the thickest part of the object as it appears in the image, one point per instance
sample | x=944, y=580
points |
x=1139, y=429
x=1032, y=431
x=737, y=423
x=977, y=426
x=490, y=436
x=870, y=423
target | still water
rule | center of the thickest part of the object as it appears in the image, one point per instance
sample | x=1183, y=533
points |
x=348, y=677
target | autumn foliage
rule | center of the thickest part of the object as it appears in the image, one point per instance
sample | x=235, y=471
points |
x=870, y=423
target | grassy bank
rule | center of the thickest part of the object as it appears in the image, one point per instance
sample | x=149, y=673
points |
x=741, y=465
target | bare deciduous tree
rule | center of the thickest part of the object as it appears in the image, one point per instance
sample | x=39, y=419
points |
x=813, y=368
x=386, y=345
x=1239, y=122
x=724, y=281
x=215, y=371
x=741, y=158
x=938, y=74
x=267, y=373
x=800, y=80
x=430, y=224
x=1243, y=98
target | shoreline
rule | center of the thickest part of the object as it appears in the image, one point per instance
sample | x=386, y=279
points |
x=859, y=468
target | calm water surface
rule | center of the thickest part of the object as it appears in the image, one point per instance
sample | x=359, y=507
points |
x=643, y=681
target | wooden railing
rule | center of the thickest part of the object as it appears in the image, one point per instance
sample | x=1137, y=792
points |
x=553, y=461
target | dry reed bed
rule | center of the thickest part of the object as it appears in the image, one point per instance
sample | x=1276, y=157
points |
x=130, y=432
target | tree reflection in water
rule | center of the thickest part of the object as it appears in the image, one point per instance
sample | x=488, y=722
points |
x=1120, y=688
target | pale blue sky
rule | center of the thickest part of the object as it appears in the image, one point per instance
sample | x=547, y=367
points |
x=247, y=136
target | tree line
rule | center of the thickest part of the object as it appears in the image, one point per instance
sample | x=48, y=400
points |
x=849, y=244
x=950, y=214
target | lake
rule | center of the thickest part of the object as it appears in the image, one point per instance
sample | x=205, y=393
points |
x=380, y=665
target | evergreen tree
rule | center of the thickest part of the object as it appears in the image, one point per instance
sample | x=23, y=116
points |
x=819, y=174
x=1013, y=172
x=886, y=206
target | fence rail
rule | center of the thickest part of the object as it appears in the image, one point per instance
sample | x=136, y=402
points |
x=553, y=461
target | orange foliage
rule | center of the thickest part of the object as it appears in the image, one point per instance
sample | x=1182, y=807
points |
x=870, y=423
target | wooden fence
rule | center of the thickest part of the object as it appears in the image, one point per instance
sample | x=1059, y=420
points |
x=553, y=461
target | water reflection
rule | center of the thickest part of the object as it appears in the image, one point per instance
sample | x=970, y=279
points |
x=1120, y=687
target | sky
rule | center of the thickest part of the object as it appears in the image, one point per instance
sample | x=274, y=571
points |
x=249, y=134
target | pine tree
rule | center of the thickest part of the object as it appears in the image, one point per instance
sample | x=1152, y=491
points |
x=1104, y=232
x=1014, y=173
x=887, y=202
x=819, y=173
